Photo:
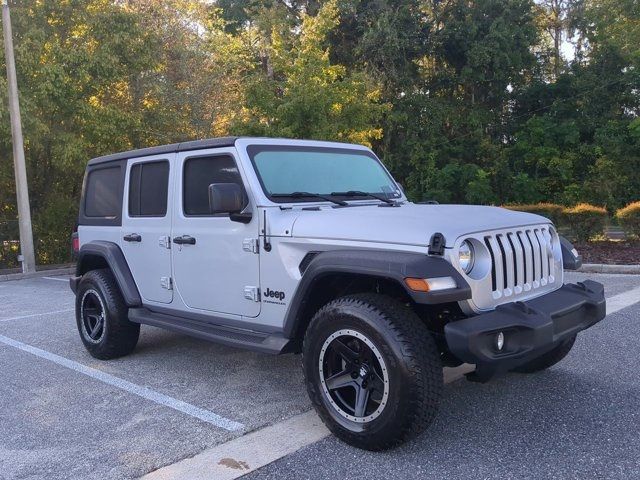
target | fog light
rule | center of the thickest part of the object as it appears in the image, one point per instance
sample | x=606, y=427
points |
x=499, y=341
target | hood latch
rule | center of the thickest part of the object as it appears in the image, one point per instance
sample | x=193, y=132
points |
x=436, y=244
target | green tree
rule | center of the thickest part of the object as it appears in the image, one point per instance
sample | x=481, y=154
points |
x=301, y=93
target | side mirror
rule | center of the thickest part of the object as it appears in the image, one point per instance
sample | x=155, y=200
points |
x=228, y=198
x=225, y=198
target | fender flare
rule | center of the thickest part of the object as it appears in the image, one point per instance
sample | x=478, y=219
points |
x=383, y=264
x=113, y=256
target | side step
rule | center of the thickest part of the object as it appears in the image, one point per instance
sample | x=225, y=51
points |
x=233, y=337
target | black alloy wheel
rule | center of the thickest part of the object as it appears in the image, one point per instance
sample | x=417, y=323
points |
x=92, y=314
x=354, y=376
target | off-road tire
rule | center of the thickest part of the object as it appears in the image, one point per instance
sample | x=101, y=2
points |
x=120, y=336
x=549, y=359
x=413, y=363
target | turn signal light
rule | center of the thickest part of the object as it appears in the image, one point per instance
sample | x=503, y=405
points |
x=430, y=284
x=417, y=284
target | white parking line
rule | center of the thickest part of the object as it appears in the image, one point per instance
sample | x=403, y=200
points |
x=33, y=315
x=57, y=279
x=144, y=392
x=247, y=453
x=623, y=300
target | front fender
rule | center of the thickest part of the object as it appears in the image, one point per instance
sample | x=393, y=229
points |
x=389, y=265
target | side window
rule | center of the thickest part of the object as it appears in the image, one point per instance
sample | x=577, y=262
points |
x=148, y=189
x=199, y=173
x=103, y=197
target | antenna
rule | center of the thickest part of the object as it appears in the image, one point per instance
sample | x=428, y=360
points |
x=267, y=243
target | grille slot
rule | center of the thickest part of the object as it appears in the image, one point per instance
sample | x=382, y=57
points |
x=521, y=260
x=493, y=264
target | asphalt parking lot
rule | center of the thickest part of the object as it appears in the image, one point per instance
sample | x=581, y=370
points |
x=64, y=414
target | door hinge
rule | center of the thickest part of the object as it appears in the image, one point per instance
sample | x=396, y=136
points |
x=251, y=245
x=252, y=293
x=164, y=241
x=166, y=283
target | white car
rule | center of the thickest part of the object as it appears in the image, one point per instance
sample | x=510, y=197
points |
x=292, y=246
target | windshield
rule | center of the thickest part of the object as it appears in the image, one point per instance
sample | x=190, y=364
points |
x=319, y=170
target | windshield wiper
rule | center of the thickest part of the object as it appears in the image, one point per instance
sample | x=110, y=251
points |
x=358, y=193
x=309, y=195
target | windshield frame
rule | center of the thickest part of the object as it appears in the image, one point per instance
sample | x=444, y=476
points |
x=254, y=149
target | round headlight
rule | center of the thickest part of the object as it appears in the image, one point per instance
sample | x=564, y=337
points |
x=465, y=256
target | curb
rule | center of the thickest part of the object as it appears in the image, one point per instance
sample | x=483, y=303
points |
x=41, y=273
x=606, y=268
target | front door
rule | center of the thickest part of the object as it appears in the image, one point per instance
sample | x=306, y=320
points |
x=213, y=268
x=146, y=226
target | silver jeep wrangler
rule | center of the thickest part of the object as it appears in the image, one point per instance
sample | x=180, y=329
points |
x=291, y=246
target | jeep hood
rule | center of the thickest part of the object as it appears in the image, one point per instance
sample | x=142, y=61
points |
x=408, y=224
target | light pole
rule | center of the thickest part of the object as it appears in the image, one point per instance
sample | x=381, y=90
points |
x=22, y=190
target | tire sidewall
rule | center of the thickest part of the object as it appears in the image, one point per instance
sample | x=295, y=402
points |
x=355, y=317
x=117, y=328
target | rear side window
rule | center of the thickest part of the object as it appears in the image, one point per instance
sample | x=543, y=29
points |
x=103, y=197
x=148, y=189
x=199, y=173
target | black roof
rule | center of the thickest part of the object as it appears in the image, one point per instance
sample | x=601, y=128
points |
x=174, y=147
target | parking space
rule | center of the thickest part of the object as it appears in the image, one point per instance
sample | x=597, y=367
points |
x=26, y=298
x=66, y=415
x=62, y=423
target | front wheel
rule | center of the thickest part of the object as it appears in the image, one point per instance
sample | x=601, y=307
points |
x=372, y=371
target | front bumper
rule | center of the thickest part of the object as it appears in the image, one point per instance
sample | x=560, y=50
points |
x=530, y=328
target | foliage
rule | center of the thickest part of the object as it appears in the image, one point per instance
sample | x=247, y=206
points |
x=301, y=94
x=9, y=247
x=585, y=221
x=629, y=218
x=465, y=101
x=552, y=211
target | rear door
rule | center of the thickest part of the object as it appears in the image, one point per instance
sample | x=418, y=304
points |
x=146, y=226
x=217, y=271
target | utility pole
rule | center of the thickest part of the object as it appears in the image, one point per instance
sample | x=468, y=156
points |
x=27, y=255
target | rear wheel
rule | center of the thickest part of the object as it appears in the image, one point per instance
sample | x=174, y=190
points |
x=549, y=359
x=101, y=316
x=372, y=371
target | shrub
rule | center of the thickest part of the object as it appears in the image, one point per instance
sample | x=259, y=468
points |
x=629, y=218
x=585, y=221
x=550, y=210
